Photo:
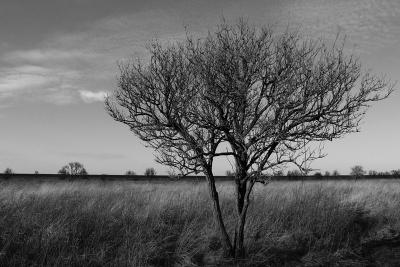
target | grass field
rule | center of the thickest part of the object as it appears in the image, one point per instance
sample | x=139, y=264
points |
x=104, y=223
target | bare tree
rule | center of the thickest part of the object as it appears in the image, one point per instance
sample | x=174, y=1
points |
x=8, y=171
x=318, y=174
x=357, y=172
x=150, y=172
x=265, y=95
x=72, y=170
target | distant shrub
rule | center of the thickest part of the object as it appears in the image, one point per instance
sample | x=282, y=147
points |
x=357, y=171
x=36, y=172
x=317, y=174
x=395, y=173
x=131, y=173
x=372, y=172
x=8, y=171
x=335, y=173
x=150, y=172
x=327, y=173
x=71, y=170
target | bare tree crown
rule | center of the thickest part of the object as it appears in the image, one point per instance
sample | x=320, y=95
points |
x=264, y=95
x=267, y=95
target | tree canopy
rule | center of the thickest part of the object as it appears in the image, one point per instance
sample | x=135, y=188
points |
x=262, y=94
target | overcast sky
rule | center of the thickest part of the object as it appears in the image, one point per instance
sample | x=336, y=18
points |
x=58, y=58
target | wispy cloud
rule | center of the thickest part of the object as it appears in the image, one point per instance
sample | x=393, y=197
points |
x=369, y=24
x=80, y=64
x=48, y=75
x=24, y=77
x=37, y=83
x=89, y=97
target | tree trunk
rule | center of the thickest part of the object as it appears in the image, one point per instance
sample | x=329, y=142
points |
x=243, y=191
x=239, y=236
x=226, y=243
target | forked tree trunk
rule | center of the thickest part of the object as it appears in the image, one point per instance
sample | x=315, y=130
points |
x=239, y=236
x=226, y=243
x=243, y=191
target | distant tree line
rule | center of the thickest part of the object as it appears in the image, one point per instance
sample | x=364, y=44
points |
x=74, y=169
x=356, y=172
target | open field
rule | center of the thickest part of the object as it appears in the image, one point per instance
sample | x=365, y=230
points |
x=124, y=223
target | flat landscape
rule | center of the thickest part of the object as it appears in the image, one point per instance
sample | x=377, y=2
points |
x=126, y=223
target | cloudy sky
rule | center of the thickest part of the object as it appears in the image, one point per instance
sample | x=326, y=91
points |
x=58, y=59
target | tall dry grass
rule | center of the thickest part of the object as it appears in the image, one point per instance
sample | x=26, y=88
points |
x=104, y=223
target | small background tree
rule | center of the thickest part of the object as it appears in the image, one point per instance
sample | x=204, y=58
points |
x=150, y=172
x=335, y=173
x=327, y=173
x=357, y=172
x=9, y=172
x=72, y=170
x=318, y=174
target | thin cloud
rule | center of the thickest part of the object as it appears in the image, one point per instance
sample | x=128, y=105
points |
x=56, y=76
x=40, y=75
x=369, y=24
x=31, y=83
x=89, y=96
x=84, y=60
x=18, y=81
